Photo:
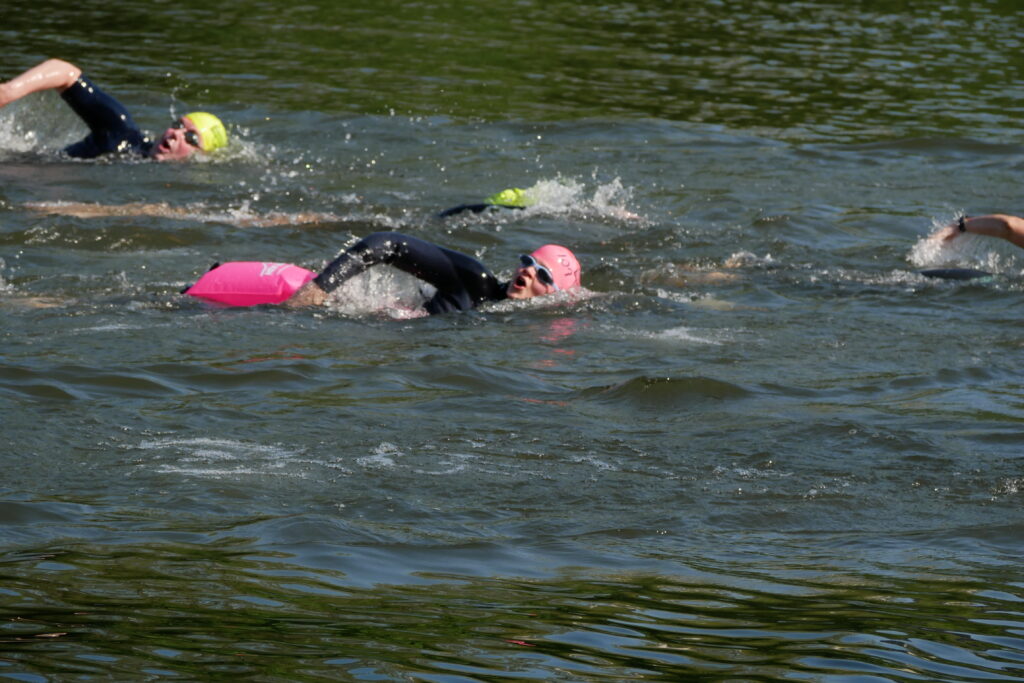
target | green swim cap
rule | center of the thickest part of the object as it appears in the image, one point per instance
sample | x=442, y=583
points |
x=512, y=196
x=212, y=133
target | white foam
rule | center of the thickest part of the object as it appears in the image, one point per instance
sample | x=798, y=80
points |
x=594, y=462
x=381, y=457
x=219, y=458
x=683, y=334
x=747, y=259
x=1009, y=486
x=674, y=335
x=115, y=327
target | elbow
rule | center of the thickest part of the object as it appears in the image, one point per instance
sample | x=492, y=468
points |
x=66, y=73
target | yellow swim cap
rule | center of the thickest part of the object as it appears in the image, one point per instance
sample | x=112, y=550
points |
x=212, y=133
x=512, y=196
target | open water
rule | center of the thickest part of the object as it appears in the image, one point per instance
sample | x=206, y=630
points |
x=761, y=447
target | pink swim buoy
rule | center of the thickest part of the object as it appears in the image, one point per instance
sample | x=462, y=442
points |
x=250, y=283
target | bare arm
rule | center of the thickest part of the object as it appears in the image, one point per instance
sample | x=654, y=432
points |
x=53, y=74
x=83, y=210
x=1009, y=228
x=194, y=212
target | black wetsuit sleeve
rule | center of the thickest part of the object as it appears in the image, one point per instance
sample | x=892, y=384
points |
x=476, y=208
x=111, y=128
x=461, y=281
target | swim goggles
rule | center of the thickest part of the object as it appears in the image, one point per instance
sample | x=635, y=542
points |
x=543, y=274
x=191, y=137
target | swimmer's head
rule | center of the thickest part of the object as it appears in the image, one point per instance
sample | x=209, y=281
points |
x=550, y=269
x=562, y=263
x=512, y=196
x=198, y=131
x=212, y=134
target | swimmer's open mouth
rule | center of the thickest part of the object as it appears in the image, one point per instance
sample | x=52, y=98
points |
x=520, y=281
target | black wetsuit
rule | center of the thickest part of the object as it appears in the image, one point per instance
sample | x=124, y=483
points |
x=111, y=126
x=955, y=273
x=461, y=281
x=477, y=208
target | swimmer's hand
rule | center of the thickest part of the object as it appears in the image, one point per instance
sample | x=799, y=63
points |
x=309, y=294
x=948, y=234
x=1002, y=226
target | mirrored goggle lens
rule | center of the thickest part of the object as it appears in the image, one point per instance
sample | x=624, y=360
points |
x=543, y=274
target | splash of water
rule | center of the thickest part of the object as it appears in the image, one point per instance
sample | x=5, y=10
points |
x=967, y=251
x=747, y=259
x=40, y=122
x=562, y=195
x=381, y=291
x=14, y=138
x=5, y=286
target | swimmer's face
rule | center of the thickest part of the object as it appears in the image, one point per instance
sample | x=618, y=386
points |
x=180, y=141
x=532, y=278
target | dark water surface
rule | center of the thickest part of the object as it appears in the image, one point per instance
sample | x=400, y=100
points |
x=762, y=447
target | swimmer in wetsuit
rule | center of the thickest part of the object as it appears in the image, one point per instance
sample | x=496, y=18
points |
x=462, y=282
x=510, y=198
x=111, y=128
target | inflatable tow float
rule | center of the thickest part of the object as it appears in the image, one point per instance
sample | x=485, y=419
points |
x=249, y=283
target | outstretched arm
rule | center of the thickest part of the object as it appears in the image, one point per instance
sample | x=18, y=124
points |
x=1009, y=228
x=53, y=74
x=458, y=277
x=194, y=212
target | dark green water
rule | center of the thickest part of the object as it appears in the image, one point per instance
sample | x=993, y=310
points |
x=807, y=470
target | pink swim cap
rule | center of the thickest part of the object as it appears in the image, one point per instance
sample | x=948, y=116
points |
x=562, y=263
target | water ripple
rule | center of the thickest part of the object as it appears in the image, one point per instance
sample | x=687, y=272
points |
x=625, y=626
